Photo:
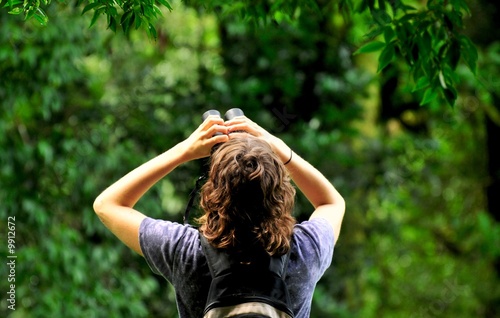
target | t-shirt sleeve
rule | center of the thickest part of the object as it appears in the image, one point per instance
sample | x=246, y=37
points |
x=315, y=242
x=159, y=241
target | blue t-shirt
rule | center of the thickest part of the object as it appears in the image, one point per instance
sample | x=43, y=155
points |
x=174, y=251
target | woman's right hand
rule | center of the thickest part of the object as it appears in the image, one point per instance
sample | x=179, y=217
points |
x=211, y=132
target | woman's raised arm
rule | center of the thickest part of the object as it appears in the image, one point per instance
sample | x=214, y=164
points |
x=114, y=206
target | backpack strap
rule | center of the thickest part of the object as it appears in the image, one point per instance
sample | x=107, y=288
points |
x=234, y=283
x=219, y=261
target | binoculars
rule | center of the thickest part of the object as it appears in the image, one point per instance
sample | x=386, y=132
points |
x=230, y=114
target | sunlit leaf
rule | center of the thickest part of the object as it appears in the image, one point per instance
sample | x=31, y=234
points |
x=370, y=47
x=429, y=95
x=422, y=83
x=12, y=3
x=17, y=10
x=41, y=16
x=29, y=14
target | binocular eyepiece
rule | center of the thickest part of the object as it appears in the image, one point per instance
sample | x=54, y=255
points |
x=230, y=114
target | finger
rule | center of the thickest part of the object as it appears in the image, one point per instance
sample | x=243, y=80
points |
x=239, y=127
x=245, y=127
x=237, y=120
x=217, y=140
x=214, y=129
x=237, y=135
x=210, y=121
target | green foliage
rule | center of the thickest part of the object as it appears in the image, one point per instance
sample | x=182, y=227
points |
x=53, y=137
x=429, y=40
x=127, y=14
x=80, y=107
x=30, y=9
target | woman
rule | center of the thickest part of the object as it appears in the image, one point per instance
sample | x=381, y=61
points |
x=248, y=201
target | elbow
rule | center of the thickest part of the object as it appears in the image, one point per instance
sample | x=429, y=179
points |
x=341, y=203
x=335, y=200
x=101, y=209
x=98, y=206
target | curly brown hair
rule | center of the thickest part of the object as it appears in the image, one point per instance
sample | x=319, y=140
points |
x=248, y=198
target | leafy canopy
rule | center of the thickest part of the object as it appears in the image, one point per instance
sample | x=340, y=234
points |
x=427, y=38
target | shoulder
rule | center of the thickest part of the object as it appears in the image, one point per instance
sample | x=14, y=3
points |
x=317, y=230
x=163, y=241
x=313, y=241
x=160, y=229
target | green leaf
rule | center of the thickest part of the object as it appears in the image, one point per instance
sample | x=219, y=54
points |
x=91, y=6
x=110, y=10
x=131, y=22
x=12, y=3
x=381, y=17
x=166, y=4
x=407, y=17
x=41, y=16
x=453, y=54
x=469, y=52
x=389, y=34
x=460, y=4
x=112, y=23
x=442, y=80
x=16, y=10
x=374, y=33
x=152, y=31
x=406, y=7
x=429, y=95
x=386, y=56
x=280, y=17
x=29, y=14
x=450, y=95
x=125, y=21
x=370, y=47
x=96, y=15
x=157, y=10
x=138, y=21
x=381, y=4
x=422, y=83
x=425, y=43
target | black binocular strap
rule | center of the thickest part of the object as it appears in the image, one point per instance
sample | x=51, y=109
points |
x=192, y=195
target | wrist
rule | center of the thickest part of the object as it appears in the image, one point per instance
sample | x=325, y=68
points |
x=281, y=149
x=289, y=159
x=183, y=152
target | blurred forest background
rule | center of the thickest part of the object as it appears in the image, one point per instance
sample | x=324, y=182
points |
x=82, y=106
